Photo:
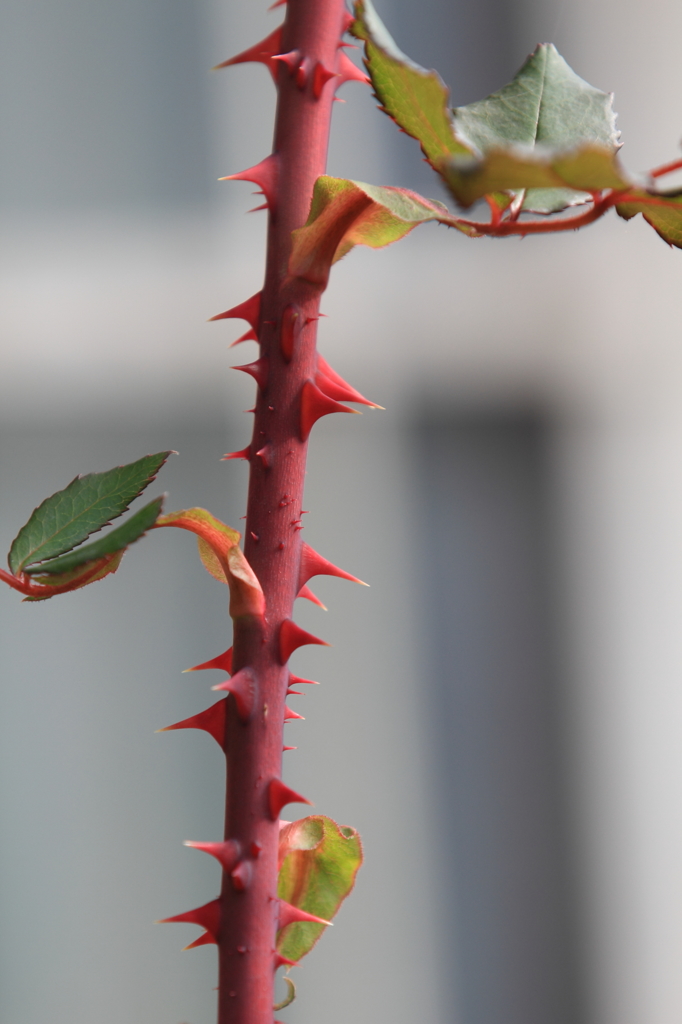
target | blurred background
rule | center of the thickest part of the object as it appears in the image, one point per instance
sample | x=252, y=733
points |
x=501, y=712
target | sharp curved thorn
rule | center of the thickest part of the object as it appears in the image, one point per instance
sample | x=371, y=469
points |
x=248, y=310
x=257, y=209
x=265, y=455
x=300, y=681
x=321, y=75
x=258, y=370
x=349, y=72
x=280, y=961
x=290, y=996
x=347, y=46
x=280, y=795
x=337, y=99
x=249, y=335
x=333, y=385
x=277, y=3
x=264, y=175
x=222, y=662
x=227, y=853
x=313, y=564
x=314, y=405
x=204, y=940
x=348, y=20
x=212, y=720
x=245, y=453
x=207, y=917
x=289, y=714
x=244, y=688
x=289, y=914
x=288, y=748
x=261, y=53
x=291, y=637
x=241, y=876
x=295, y=693
x=306, y=592
x=292, y=60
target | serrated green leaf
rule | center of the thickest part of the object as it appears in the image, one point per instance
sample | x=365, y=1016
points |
x=417, y=99
x=67, y=518
x=545, y=105
x=76, y=579
x=346, y=213
x=546, y=176
x=114, y=541
x=662, y=211
x=318, y=864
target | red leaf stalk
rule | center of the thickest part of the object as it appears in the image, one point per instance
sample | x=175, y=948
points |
x=287, y=333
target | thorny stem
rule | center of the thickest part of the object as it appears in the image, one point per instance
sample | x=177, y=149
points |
x=273, y=540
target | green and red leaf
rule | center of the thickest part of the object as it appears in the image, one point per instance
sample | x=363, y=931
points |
x=663, y=211
x=318, y=862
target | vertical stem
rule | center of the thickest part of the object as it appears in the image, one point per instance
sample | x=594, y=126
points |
x=273, y=541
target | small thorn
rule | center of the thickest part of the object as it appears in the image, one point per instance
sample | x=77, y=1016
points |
x=223, y=662
x=248, y=310
x=244, y=688
x=306, y=592
x=303, y=73
x=289, y=331
x=284, y=749
x=348, y=20
x=346, y=46
x=258, y=370
x=265, y=455
x=288, y=914
x=255, y=536
x=212, y=721
x=261, y=53
x=257, y=209
x=207, y=917
x=295, y=693
x=334, y=386
x=241, y=876
x=321, y=76
x=314, y=405
x=256, y=850
x=249, y=335
x=300, y=681
x=227, y=853
x=291, y=59
x=280, y=795
x=291, y=637
x=289, y=714
x=337, y=99
x=277, y=3
x=264, y=174
x=280, y=961
x=313, y=564
x=245, y=453
x=204, y=940
x=349, y=72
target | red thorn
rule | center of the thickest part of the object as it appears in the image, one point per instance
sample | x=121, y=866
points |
x=288, y=914
x=288, y=748
x=313, y=564
x=309, y=596
x=348, y=20
x=292, y=637
x=292, y=59
x=261, y=53
x=257, y=209
x=289, y=714
x=256, y=850
x=333, y=385
x=337, y=99
x=204, y=940
x=295, y=693
x=243, y=687
x=223, y=662
x=321, y=76
x=280, y=795
x=349, y=72
x=258, y=370
x=227, y=853
x=248, y=310
x=265, y=455
x=280, y=961
x=245, y=453
x=249, y=335
x=212, y=721
x=300, y=681
x=314, y=405
x=241, y=876
x=256, y=536
x=264, y=175
x=289, y=331
x=303, y=72
x=207, y=917
x=277, y=3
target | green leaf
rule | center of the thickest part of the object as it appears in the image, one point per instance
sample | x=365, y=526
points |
x=318, y=864
x=347, y=213
x=90, y=502
x=545, y=106
x=415, y=98
x=116, y=540
x=663, y=211
x=550, y=179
